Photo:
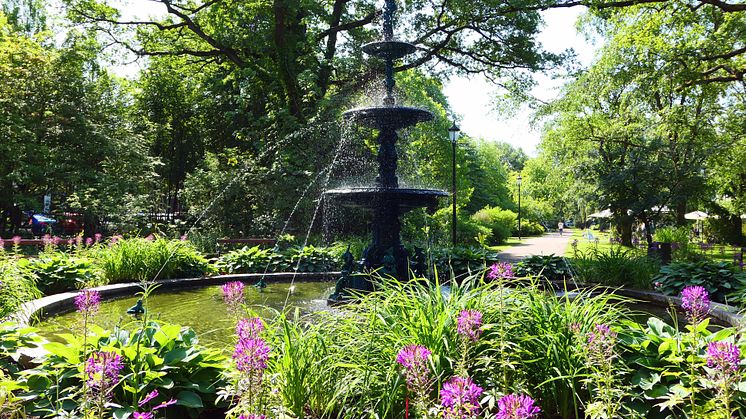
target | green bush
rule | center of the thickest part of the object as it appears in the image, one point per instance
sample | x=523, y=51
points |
x=17, y=285
x=717, y=277
x=616, y=267
x=467, y=229
x=554, y=268
x=59, y=272
x=678, y=235
x=156, y=356
x=138, y=259
x=258, y=260
x=529, y=228
x=500, y=222
x=463, y=260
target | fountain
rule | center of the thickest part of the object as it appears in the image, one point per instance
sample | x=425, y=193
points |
x=385, y=199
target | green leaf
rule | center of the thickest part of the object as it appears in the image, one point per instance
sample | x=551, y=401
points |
x=188, y=399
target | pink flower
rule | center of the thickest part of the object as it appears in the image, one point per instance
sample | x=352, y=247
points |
x=87, y=301
x=416, y=371
x=249, y=328
x=469, y=324
x=88, y=241
x=723, y=356
x=97, y=237
x=514, y=406
x=233, y=292
x=500, y=270
x=46, y=240
x=601, y=342
x=16, y=240
x=2, y=243
x=184, y=237
x=695, y=300
x=150, y=237
x=102, y=370
x=460, y=397
x=165, y=404
x=152, y=395
x=251, y=355
x=70, y=242
x=56, y=240
x=143, y=415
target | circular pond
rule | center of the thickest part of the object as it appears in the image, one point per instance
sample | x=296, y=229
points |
x=202, y=309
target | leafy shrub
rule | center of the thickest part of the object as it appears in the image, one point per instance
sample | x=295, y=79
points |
x=258, y=260
x=467, y=229
x=463, y=259
x=679, y=235
x=59, y=272
x=17, y=285
x=138, y=259
x=616, y=267
x=529, y=228
x=553, y=268
x=717, y=277
x=163, y=357
x=500, y=222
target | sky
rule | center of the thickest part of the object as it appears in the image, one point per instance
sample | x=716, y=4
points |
x=471, y=98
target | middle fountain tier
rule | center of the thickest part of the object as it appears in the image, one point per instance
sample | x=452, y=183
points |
x=384, y=199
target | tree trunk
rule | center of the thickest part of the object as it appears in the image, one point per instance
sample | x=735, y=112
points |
x=625, y=228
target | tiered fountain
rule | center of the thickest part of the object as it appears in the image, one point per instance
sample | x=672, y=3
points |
x=385, y=199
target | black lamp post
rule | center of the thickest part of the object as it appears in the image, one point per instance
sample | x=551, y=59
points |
x=518, y=182
x=453, y=134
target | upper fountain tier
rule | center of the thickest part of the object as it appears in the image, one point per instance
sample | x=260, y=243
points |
x=389, y=50
x=388, y=117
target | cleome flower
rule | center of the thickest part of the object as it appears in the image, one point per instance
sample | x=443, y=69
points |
x=517, y=406
x=414, y=360
x=723, y=356
x=500, y=270
x=469, y=324
x=88, y=301
x=460, y=398
x=695, y=300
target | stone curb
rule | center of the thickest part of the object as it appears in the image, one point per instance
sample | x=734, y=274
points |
x=39, y=309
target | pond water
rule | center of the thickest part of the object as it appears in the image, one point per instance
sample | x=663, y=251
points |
x=202, y=309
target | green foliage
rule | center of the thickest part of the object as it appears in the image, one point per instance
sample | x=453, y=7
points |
x=553, y=268
x=463, y=260
x=157, y=356
x=718, y=278
x=500, y=222
x=139, y=259
x=679, y=235
x=615, y=267
x=258, y=260
x=467, y=229
x=12, y=338
x=59, y=271
x=17, y=285
x=529, y=228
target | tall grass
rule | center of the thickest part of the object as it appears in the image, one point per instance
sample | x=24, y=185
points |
x=342, y=364
x=616, y=266
x=138, y=259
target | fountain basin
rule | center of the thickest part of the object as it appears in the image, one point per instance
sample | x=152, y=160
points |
x=388, y=117
x=389, y=50
x=370, y=197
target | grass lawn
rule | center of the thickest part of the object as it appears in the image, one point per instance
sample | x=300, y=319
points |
x=512, y=241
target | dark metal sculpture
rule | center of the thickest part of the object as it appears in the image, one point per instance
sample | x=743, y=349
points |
x=385, y=199
x=136, y=309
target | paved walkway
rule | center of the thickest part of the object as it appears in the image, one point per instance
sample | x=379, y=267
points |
x=549, y=243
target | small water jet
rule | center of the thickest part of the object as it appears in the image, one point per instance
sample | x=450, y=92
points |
x=385, y=199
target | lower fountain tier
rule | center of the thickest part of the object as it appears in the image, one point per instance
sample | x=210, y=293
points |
x=373, y=196
x=388, y=117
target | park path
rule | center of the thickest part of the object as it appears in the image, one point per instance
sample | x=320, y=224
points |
x=549, y=243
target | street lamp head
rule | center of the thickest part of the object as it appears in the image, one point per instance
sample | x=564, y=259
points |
x=453, y=133
x=518, y=180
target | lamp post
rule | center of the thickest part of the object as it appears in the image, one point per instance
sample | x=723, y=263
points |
x=453, y=134
x=518, y=182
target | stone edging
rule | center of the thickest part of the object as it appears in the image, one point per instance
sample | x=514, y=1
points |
x=44, y=307
x=722, y=312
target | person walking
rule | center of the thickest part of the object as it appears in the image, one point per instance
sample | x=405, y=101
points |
x=561, y=227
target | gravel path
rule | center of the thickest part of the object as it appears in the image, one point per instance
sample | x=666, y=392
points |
x=549, y=243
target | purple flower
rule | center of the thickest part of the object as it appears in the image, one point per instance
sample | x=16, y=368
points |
x=233, y=292
x=500, y=270
x=115, y=239
x=696, y=301
x=142, y=415
x=460, y=397
x=152, y=395
x=46, y=240
x=601, y=341
x=70, y=242
x=165, y=404
x=56, y=240
x=88, y=241
x=16, y=240
x=102, y=370
x=516, y=406
x=723, y=356
x=251, y=355
x=87, y=301
x=183, y=237
x=249, y=328
x=78, y=240
x=2, y=243
x=416, y=371
x=469, y=324
x=97, y=237
x=150, y=237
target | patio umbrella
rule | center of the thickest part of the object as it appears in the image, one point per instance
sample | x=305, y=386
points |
x=696, y=215
x=601, y=214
